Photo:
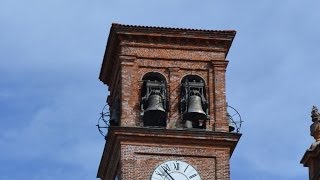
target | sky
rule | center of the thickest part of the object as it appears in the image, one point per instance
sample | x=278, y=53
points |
x=50, y=95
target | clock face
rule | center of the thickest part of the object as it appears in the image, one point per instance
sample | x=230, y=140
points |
x=175, y=170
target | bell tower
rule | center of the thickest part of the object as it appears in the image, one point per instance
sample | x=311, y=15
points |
x=168, y=110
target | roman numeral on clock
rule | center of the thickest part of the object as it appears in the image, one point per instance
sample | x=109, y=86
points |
x=192, y=176
x=166, y=167
x=160, y=173
x=176, y=166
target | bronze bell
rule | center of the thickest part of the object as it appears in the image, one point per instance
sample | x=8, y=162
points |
x=231, y=125
x=195, y=110
x=155, y=114
x=114, y=119
x=155, y=103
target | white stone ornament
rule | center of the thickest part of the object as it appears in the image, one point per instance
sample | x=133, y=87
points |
x=175, y=170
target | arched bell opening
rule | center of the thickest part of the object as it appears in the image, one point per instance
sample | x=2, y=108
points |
x=154, y=100
x=193, y=102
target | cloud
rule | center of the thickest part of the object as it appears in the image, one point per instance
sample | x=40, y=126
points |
x=59, y=132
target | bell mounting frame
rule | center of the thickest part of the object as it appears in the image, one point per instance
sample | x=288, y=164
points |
x=103, y=121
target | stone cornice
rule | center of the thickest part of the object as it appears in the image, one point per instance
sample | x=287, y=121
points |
x=184, y=32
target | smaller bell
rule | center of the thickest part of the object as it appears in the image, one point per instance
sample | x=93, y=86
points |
x=195, y=111
x=231, y=125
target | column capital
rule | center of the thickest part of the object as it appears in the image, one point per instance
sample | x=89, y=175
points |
x=219, y=64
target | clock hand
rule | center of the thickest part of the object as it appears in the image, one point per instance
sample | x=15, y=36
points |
x=167, y=173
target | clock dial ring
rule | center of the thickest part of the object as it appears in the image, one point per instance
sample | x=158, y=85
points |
x=175, y=170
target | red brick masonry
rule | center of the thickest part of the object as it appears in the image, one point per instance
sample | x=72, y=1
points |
x=133, y=153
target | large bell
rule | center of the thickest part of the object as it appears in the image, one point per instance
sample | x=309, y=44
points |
x=195, y=111
x=155, y=114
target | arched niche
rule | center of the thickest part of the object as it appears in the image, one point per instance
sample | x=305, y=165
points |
x=193, y=102
x=154, y=101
